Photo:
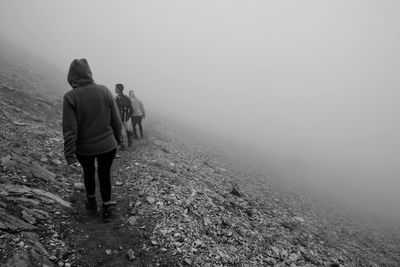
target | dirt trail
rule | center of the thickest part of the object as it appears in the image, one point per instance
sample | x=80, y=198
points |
x=93, y=239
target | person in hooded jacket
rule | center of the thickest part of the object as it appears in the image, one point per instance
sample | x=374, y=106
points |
x=138, y=113
x=92, y=131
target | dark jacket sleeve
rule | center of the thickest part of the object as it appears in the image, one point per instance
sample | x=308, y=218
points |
x=115, y=117
x=70, y=127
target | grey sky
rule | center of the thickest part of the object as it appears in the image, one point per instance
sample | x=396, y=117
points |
x=312, y=79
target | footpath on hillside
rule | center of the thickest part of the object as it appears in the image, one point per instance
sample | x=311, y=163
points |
x=179, y=203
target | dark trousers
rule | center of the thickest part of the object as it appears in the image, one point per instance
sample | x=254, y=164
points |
x=104, y=162
x=137, y=120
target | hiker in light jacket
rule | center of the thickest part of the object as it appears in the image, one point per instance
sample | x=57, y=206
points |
x=138, y=113
x=92, y=130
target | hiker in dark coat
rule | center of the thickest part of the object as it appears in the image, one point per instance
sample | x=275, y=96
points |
x=92, y=131
x=138, y=113
x=125, y=109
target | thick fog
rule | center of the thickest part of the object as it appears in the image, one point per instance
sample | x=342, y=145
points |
x=311, y=87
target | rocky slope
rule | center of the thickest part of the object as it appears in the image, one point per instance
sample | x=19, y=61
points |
x=179, y=202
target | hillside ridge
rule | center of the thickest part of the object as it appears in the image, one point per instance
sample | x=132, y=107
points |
x=179, y=202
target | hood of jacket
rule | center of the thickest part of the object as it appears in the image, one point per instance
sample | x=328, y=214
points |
x=79, y=73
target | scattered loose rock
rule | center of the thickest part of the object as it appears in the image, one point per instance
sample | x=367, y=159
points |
x=79, y=186
x=131, y=255
x=181, y=207
x=150, y=199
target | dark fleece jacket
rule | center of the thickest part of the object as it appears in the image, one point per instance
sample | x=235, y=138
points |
x=91, y=123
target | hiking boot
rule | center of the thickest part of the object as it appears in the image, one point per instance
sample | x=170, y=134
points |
x=122, y=147
x=91, y=204
x=130, y=137
x=107, y=213
x=130, y=141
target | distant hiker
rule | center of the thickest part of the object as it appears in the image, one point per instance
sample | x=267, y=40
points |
x=125, y=110
x=92, y=130
x=138, y=113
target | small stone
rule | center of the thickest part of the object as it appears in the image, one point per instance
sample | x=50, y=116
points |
x=300, y=219
x=275, y=252
x=187, y=261
x=132, y=220
x=178, y=244
x=130, y=254
x=56, y=162
x=284, y=254
x=8, y=162
x=207, y=220
x=236, y=192
x=221, y=170
x=150, y=199
x=270, y=261
x=108, y=251
x=118, y=183
x=242, y=231
x=224, y=257
x=67, y=264
x=164, y=231
x=79, y=186
x=177, y=235
x=53, y=258
x=60, y=263
x=293, y=257
x=27, y=217
x=198, y=243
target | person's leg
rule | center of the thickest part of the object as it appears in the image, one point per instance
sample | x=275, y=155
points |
x=87, y=163
x=129, y=132
x=140, y=126
x=124, y=135
x=130, y=137
x=104, y=163
x=134, y=122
